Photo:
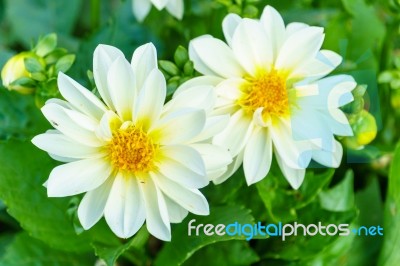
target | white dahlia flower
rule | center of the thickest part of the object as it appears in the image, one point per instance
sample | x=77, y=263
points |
x=136, y=159
x=141, y=8
x=269, y=78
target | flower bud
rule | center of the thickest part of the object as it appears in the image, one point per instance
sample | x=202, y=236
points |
x=15, y=75
x=364, y=128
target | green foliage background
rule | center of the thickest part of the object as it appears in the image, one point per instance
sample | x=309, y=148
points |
x=36, y=230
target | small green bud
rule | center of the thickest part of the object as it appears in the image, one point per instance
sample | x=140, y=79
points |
x=169, y=67
x=188, y=68
x=181, y=56
x=250, y=11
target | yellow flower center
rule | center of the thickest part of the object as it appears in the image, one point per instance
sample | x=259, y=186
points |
x=132, y=150
x=268, y=90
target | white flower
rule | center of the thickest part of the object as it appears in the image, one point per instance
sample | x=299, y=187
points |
x=270, y=79
x=137, y=159
x=141, y=8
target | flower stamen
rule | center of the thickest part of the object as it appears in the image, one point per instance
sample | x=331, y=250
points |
x=267, y=90
x=132, y=150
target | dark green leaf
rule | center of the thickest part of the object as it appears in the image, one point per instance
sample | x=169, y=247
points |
x=25, y=250
x=390, y=251
x=183, y=246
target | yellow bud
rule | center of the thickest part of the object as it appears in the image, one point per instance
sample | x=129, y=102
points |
x=364, y=128
x=15, y=69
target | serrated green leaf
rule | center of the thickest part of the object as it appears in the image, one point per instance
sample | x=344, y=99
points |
x=391, y=243
x=110, y=251
x=25, y=250
x=340, y=197
x=183, y=246
x=228, y=253
x=65, y=63
x=281, y=201
x=44, y=218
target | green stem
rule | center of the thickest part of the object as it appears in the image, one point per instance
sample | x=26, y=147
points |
x=94, y=14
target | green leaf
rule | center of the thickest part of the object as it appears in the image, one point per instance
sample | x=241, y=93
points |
x=302, y=248
x=23, y=171
x=340, y=197
x=282, y=201
x=228, y=253
x=391, y=244
x=25, y=250
x=19, y=117
x=369, y=202
x=65, y=63
x=46, y=45
x=33, y=65
x=183, y=246
x=112, y=250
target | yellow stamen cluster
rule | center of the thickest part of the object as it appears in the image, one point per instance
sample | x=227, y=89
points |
x=268, y=90
x=132, y=150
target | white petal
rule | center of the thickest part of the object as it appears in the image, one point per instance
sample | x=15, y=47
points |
x=229, y=24
x=324, y=63
x=257, y=156
x=327, y=158
x=199, y=64
x=60, y=145
x=214, y=157
x=232, y=168
x=141, y=9
x=251, y=46
x=144, y=60
x=198, y=81
x=274, y=27
x=202, y=97
x=217, y=56
x=236, y=134
x=213, y=126
x=190, y=199
x=77, y=177
x=157, y=218
x=108, y=123
x=121, y=84
x=124, y=210
x=151, y=99
x=178, y=127
x=295, y=177
x=295, y=153
x=59, y=118
x=176, y=213
x=230, y=89
x=159, y=4
x=104, y=56
x=82, y=99
x=175, y=8
x=186, y=156
x=181, y=174
x=91, y=208
x=299, y=48
x=294, y=27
